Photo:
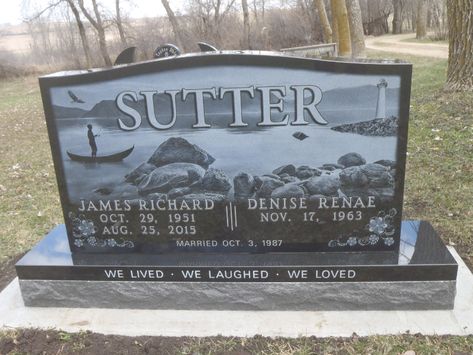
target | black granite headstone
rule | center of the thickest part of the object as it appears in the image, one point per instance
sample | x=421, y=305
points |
x=231, y=153
x=191, y=182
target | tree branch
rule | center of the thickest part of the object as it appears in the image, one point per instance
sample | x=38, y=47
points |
x=39, y=14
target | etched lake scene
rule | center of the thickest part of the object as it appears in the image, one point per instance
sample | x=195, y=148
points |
x=357, y=119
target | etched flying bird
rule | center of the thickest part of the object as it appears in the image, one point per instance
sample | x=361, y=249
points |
x=74, y=97
x=299, y=135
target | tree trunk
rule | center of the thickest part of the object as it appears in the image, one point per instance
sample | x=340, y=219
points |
x=327, y=30
x=175, y=25
x=356, y=28
x=246, y=25
x=334, y=22
x=82, y=33
x=255, y=13
x=121, y=31
x=397, y=16
x=344, y=41
x=98, y=25
x=460, y=38
x=421, y=27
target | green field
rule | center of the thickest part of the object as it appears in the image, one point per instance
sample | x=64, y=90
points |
x=439, y=188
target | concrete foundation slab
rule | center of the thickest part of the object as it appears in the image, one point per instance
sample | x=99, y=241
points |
x=459, y=321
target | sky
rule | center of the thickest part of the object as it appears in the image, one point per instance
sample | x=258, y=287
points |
x=14, y=11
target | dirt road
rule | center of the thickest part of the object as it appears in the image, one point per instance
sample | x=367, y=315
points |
x=396, y=43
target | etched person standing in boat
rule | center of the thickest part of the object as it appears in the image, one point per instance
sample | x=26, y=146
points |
x=92, y=143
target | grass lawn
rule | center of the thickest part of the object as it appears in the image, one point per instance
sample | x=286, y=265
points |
x=439, y=188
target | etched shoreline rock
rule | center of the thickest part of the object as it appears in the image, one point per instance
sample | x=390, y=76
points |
x=351, y=159
x=326, y=185
x=368, y=175
x=386, y=162
x=170, y=176
x=272, y=176
x=244, y=186
x=266, y=185
x=305, y=172
x=332, y=166
x=288, y=178
x=179, y=150
x=139, y=173
x=216, y=180
x=285, y=169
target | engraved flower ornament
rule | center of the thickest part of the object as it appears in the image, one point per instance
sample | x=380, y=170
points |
x=377, y=225
x=86, y=228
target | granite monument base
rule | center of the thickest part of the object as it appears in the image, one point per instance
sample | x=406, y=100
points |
x=422, y=277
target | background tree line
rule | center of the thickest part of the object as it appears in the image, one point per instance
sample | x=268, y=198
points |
x=83, y=33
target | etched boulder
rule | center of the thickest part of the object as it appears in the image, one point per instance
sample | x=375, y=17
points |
x=288, y=178
x=305, y=172
x=368, y=175
x=244, y=186
x=351, y=159
x=170, y=176
x=387, y=163
x=266, y=185
x=135, y=176
x=216, y=180
x=179, y=150
x=326, y=185
x=285, y=169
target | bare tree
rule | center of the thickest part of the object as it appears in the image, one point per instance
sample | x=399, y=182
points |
x=377, y=14
x=211, y=14
x=51, y=7
x=259, y=4
x=439, y=19
x=327, y=30
x=119, y=22
x=356, y=28
x=175, y=25
x=82, y=33
x=97, y=23
x=340, y=13
x=460, y=57
x=246, y=25
x=421, y=23
x=397, y=16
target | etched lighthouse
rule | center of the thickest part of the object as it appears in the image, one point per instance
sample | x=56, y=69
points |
x=381, y=104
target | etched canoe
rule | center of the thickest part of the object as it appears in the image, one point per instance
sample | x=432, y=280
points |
x=101, y=159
